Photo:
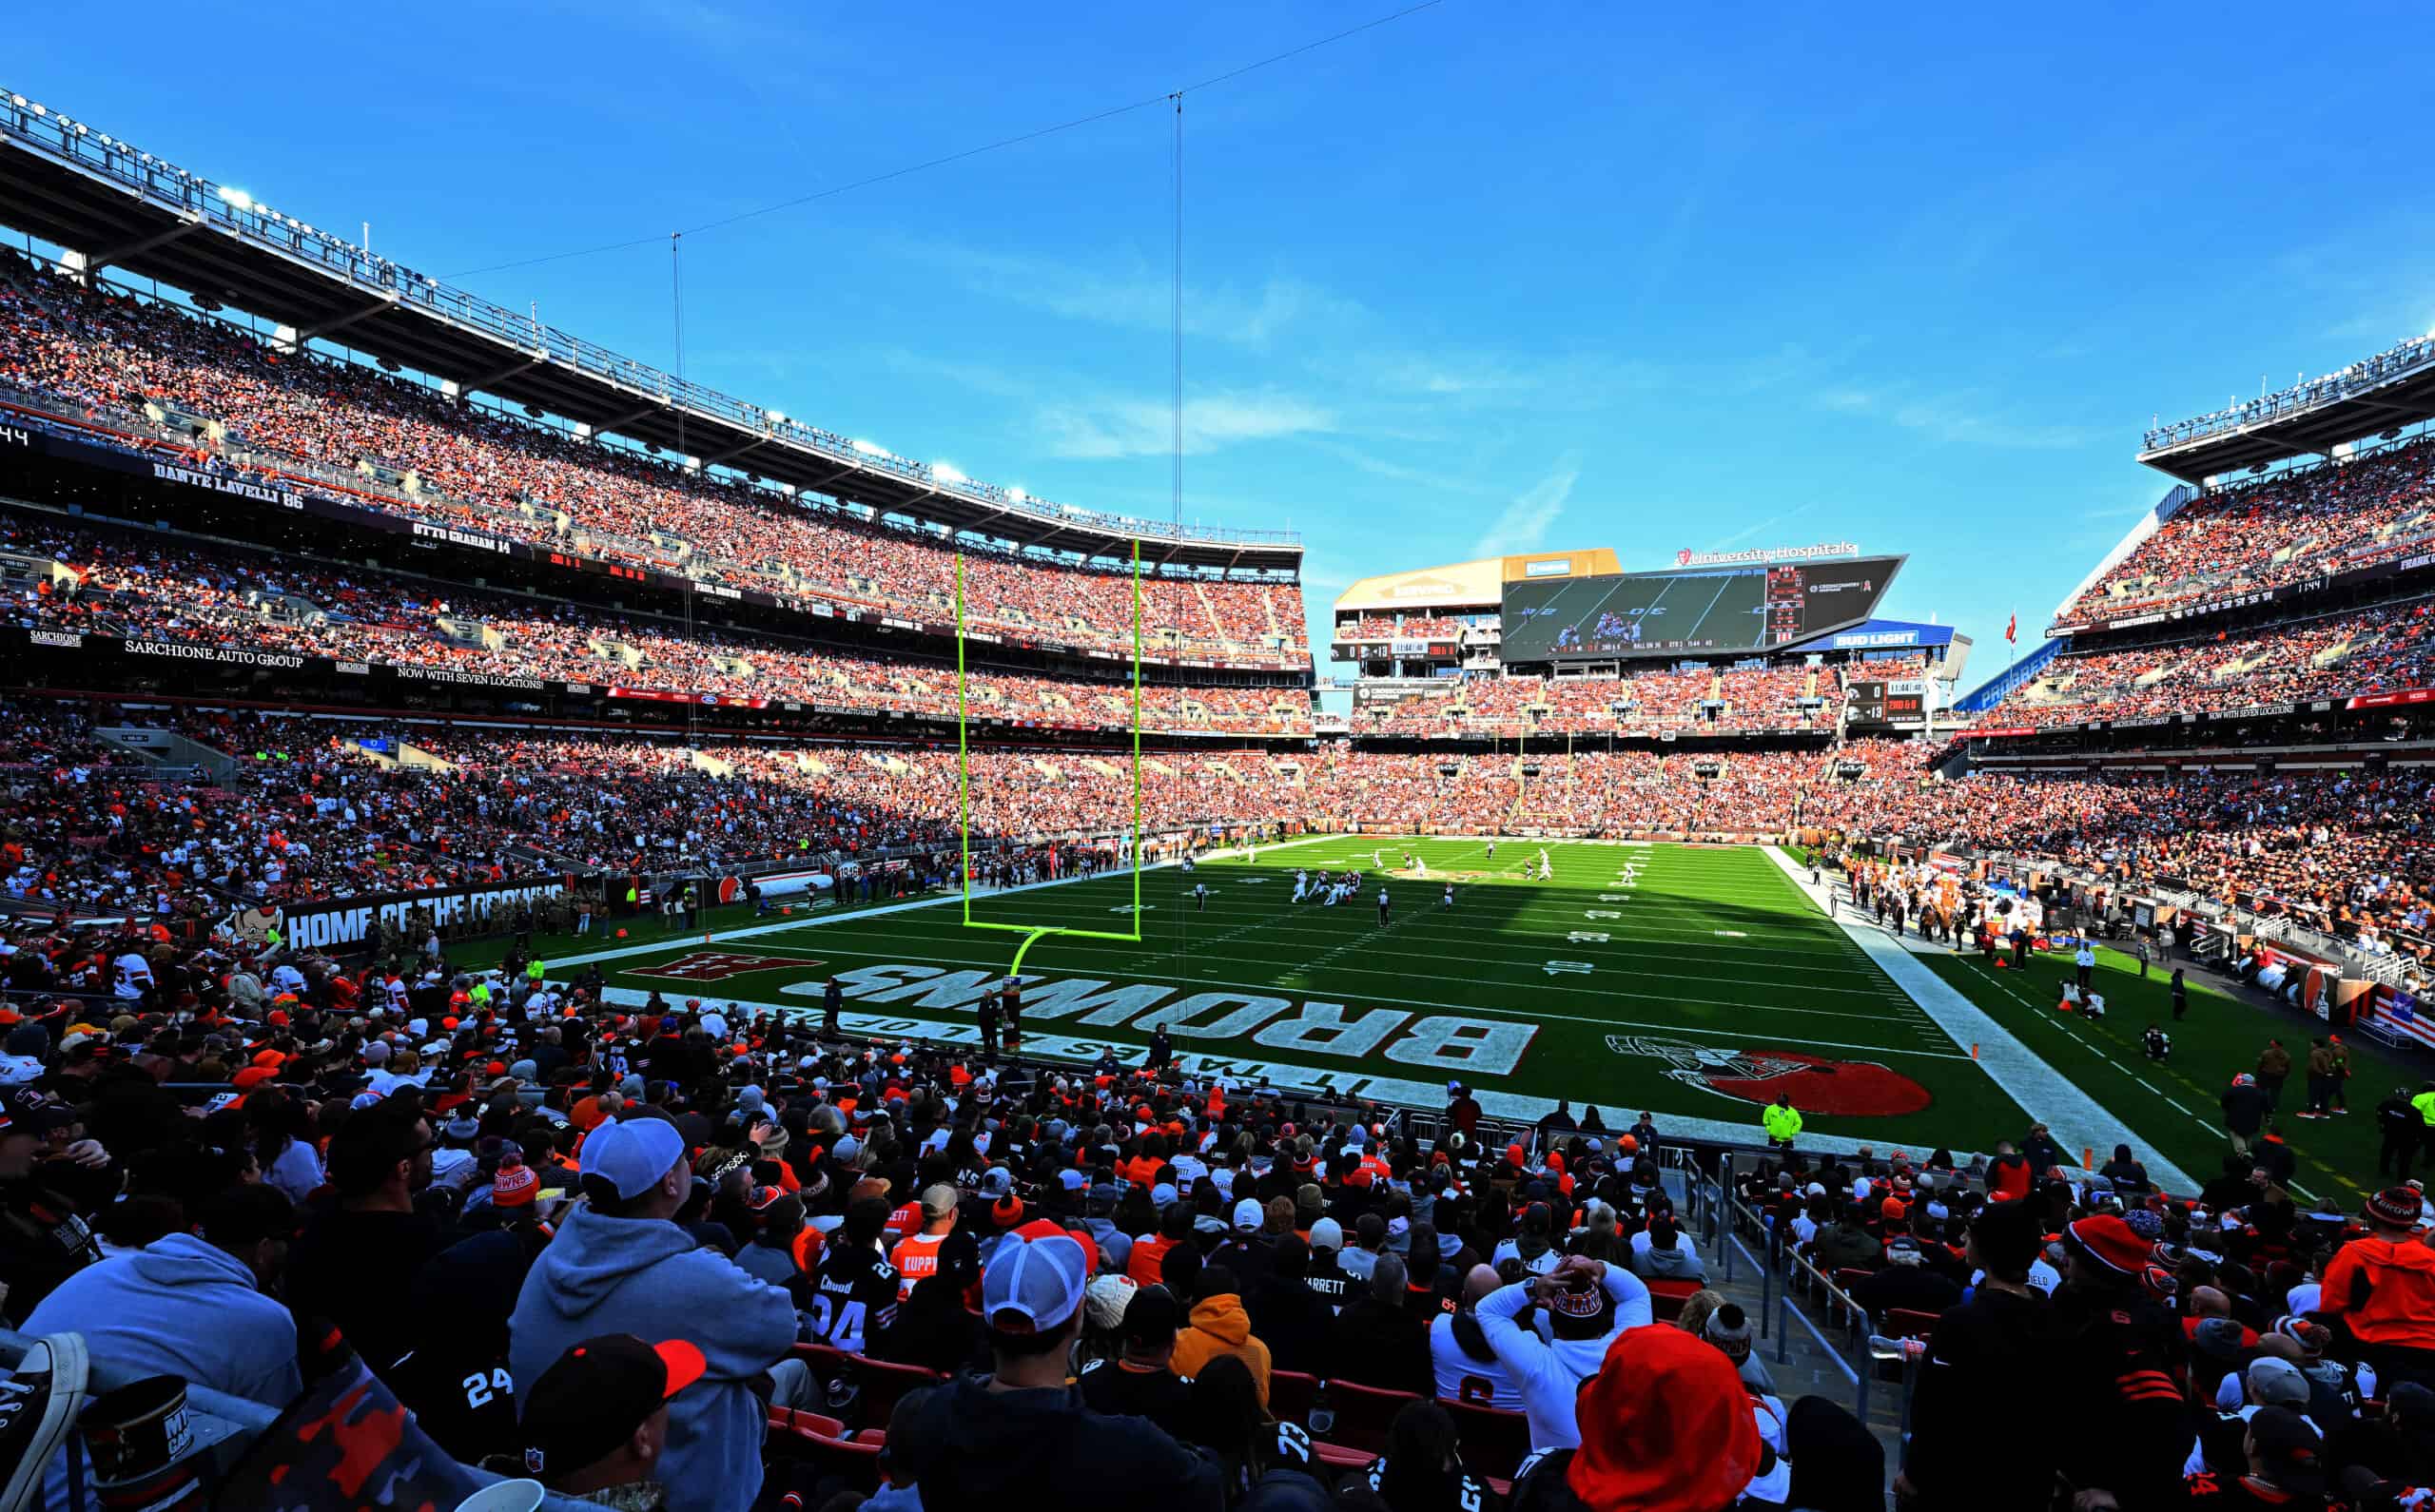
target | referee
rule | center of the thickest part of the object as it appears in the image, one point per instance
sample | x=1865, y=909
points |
x=1382, y=906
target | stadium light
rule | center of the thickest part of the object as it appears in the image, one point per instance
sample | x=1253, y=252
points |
x=775, y=418
x=236, y=198
x=1017, y=494
x=867, y=449
x=946, y=472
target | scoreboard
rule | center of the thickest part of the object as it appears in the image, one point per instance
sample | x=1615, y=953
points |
x=1904, y=702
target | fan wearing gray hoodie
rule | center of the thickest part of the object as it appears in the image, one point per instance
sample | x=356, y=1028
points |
x=190, y=1305
x=619, y=1266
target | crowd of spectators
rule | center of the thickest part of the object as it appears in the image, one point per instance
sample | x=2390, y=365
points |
x=1721, y=700
x=111, y=354
x=1411, y=628
x=2371, y=652
x=158, y=590
x=2333, y=517
x=2346, y=852
x=666, y=1255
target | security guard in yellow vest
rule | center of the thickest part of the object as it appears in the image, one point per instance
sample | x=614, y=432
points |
x=1782, y=1120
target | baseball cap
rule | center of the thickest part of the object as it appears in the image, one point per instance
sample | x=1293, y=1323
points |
x=2290, y=1447
x=1033, y=1285
x=631, y=1154
x=1327, y=1234
x=2277, y=1382
x=1247, y=1214
x=593, y=1397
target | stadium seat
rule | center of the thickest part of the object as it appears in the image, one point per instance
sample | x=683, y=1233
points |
x=1907, y=1323
x=884, y=1383
x=1363, y=1414
x=1341, y=1457
x=1496, y=1442
x=1667, y=1296
x=1291, y=1394
x=785, y=1419
x=851, y=1461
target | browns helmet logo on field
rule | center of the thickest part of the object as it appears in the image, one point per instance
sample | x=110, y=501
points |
x=1815, y=1084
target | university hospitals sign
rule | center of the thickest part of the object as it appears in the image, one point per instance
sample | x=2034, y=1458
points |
x=1687, y=557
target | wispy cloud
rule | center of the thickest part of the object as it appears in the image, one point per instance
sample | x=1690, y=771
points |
x=1134, y=295
x=1725, y=543
x=1524, y=524
x=1106, y=430
x=1952, y=417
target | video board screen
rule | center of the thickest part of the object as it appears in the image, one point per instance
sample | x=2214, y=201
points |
x=1718, y=609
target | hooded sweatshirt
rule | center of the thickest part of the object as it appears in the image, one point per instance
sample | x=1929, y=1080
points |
x=1219, y=1326
x=645, y=1277
x=2384, y=1288
x=177, y=1307
x=184, y=1308
x=1549, y=1373
x=1675, y=1431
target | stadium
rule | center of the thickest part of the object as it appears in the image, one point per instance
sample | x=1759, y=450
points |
x=573, y=939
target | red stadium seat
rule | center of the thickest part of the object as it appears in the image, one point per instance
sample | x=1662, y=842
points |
x=1907, y=1323
x=1290, y=1395
x=1667, y=1296
x=1363, y=1414
x=1496, y=1442
x=789, y=1419
x=884, y=1384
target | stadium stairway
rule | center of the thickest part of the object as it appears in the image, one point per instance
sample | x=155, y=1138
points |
x=1797, y=1344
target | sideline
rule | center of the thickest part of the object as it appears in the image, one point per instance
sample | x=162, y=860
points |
x=842, y=915
x=2079, y=1122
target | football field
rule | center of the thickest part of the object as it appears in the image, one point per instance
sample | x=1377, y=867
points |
x=1694, y=982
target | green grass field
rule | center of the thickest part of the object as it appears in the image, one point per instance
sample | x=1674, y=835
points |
x=1694, y=982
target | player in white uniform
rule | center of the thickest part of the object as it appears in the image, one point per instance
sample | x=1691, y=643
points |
x=1544, y=872
x=1200, y=898
x=1450, y=896
x=1301, y=885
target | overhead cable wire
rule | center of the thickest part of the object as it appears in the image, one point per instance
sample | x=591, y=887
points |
x=946, y=160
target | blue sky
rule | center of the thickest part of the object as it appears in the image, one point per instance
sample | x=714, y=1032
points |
x=1492, y=278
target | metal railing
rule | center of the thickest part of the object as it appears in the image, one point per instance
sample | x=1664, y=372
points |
x=2401, y=360
x=230, y=212
x=1730, y=1229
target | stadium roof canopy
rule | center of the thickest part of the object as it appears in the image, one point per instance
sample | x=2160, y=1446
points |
x=114, y=206
x=1878, y=635
x=2382, y=394
x=1474, y=585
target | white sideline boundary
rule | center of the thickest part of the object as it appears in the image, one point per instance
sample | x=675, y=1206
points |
x=839, y=916
x=2077, y=1120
